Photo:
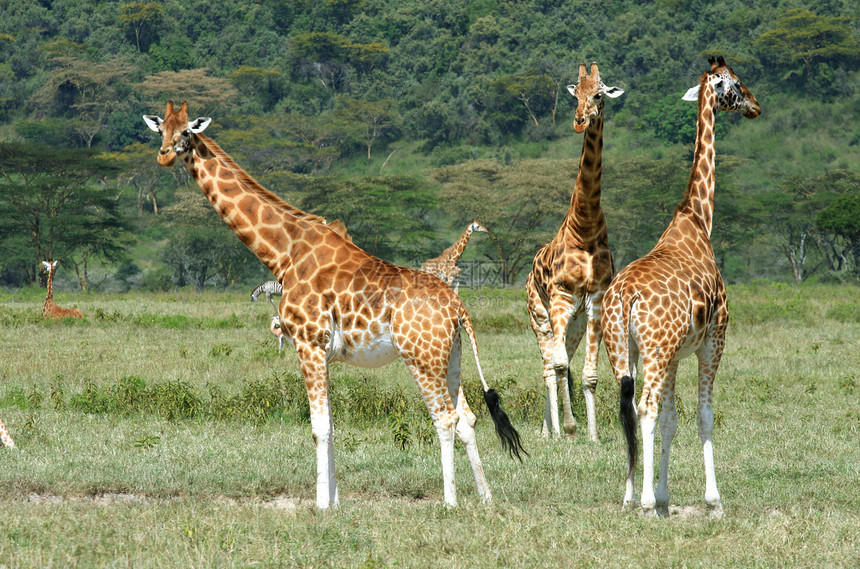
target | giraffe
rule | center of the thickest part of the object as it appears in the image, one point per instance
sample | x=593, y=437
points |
x=50, y=308
x=445, y=265
x=570, y=273
x=340, y=303
x=671, y=304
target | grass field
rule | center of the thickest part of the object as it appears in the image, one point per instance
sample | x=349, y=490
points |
x=166, y=431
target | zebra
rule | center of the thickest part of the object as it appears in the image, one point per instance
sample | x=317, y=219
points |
x=270, y=288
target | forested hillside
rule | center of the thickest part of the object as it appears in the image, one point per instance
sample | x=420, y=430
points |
x=406, y=119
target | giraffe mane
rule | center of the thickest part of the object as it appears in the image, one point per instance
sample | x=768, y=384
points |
x=247, y=180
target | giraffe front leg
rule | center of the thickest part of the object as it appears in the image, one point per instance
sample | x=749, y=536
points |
x=575, y=332
x=560, y=312
x=593, y=336
x=539, y=318
x=315, y=372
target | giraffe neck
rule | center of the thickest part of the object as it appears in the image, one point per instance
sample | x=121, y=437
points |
x=698, y=202
x=50, y=286
x=265, y=224
x=584, y=217
x=453, y=252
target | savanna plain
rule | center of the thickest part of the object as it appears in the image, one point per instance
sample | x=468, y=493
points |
x=165, y=430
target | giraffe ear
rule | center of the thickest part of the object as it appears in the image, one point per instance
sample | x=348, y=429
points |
x=613, y=92
x=152, y=121
x=199, y=124
x=572, y=90
x=692, y=94
x=47, y=265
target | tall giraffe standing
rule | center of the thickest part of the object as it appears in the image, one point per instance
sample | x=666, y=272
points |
x=671, y=303
x=342, y=304
x=50, y=308
x=445, y=265
x=570, y=273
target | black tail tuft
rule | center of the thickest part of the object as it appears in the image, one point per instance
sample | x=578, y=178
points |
x=628, y=421
x=507, y=433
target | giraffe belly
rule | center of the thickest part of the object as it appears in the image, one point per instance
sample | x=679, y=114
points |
x=358, y=349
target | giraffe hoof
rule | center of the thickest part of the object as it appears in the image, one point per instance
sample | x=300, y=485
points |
x=715, y=512
x=570, y=432
x=662, y=510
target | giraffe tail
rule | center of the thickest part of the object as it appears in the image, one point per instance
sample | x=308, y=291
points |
x=508, y=435
x=627, y=415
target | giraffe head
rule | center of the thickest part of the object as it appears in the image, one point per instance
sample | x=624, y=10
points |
x=176, y=131
x=475, y=226
x=589, y=92
x=732, y=96
x=50, y=266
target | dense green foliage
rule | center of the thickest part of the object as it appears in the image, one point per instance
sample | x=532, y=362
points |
x=334, y=101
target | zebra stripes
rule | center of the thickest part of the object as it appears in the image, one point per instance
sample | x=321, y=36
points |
x=269, y=288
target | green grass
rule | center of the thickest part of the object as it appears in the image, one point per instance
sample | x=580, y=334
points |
x=165, y=430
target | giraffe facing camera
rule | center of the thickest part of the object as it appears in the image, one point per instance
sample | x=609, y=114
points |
x=570, y=273
x=340, y=303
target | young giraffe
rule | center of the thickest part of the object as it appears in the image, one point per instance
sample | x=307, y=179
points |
x=445, y=265
x=571, y=272
x=50, y=308
x=342, y=304
x=671, y=303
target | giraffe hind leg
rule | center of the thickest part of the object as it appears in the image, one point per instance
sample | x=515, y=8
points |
x=709, y=358
x=668, y=423
x=465, y=428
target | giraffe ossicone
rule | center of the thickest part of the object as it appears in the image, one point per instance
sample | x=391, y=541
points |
x=571, y=273
x=340, y=303
x=671, y=304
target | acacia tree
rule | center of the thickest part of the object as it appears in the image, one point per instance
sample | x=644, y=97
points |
x=56, y=210
x=88, y=92
x=520, y=204
x=142, y=174
x=643, y=194
x=201, y=250
x=792, y=209
x=367, y=121
x=838, y=224
x=142, y=18
x=203, y=93
x=388, y=216
x=800, y=36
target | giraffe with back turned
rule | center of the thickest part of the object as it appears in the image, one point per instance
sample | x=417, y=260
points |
x=341, y=304
x=570, y=273
x=445, y=265
x=671, y=304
